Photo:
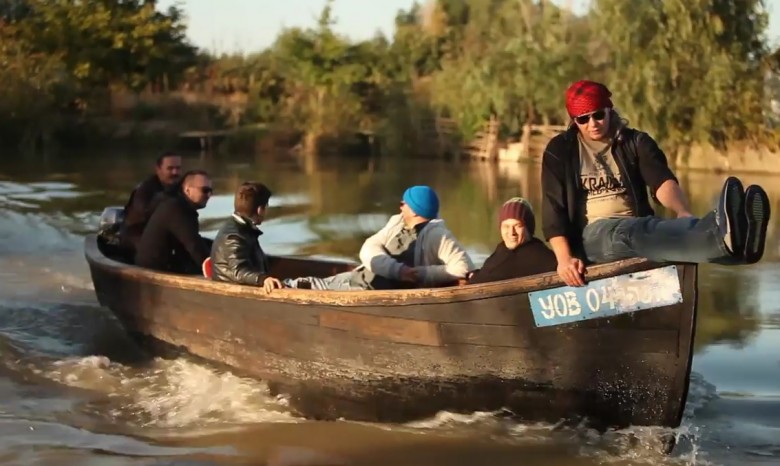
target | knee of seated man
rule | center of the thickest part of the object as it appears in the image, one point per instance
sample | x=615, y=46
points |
x=621, y=236
x=629, y=228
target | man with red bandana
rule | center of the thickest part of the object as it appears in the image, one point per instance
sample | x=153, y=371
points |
x=595, y=204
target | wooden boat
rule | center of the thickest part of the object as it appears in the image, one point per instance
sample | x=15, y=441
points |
x=622, y=358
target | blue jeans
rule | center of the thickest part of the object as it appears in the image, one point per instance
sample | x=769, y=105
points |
x=338, y=282
x=657, y=239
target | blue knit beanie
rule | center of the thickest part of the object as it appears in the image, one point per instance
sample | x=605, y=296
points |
x=423, y=201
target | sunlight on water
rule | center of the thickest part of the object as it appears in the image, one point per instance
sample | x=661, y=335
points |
x=41, y=192
x=17, y=241
x=221, y=205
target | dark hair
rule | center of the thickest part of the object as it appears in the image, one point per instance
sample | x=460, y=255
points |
x=164, y=156
x=249, y=197
x=189, y=174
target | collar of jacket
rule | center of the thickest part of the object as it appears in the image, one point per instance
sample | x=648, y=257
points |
x=185, y=200
x=419, y=227
x=154, y=180
x=241, y=220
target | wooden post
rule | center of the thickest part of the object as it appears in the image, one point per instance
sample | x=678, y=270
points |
x=485, y=144
x=525, y=140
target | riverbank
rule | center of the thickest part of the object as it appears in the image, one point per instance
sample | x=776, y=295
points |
x=164, y=129
x=739, y=157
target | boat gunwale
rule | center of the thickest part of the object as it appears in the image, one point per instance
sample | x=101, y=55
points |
x=462, y=293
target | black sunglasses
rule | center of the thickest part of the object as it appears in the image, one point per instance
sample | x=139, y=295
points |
x=598, y=116
x=206, y=190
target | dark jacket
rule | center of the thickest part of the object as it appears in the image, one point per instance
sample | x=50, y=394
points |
x=138, y=210
x=641, y=163
x=236, y=255
x=171, y=241
x=530, y=258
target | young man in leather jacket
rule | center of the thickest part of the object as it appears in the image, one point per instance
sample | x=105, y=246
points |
x=236, y=254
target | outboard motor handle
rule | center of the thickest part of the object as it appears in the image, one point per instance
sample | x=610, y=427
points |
x=110, y=221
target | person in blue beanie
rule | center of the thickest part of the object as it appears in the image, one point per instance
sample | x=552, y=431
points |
x=414, y=249
x=422, y=200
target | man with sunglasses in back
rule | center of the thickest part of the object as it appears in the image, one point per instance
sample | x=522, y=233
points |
x=595, y=205
x=171, y=241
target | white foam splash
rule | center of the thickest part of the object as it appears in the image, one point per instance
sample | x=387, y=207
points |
x=182, y=394
x=700, y=393
x=640, y=445
x=448, y=419
x=172, y=393
x=183, y=397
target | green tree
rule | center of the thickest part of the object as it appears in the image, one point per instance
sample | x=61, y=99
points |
x=34, y=89
x=108, y=42
x=13, y=10
x=514, y=62
x=326, y=81
x=687, y=71
x=416, y=51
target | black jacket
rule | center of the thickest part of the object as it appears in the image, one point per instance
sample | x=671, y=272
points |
x=530, y=258
x=236, y=255
x=642, y=165
x=138, y=210
x=171, y=241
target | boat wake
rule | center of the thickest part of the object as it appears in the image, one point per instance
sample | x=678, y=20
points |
x=182, y=398
x=52, y=330
x=168, y=394
x=637, y=444
x=59, y=334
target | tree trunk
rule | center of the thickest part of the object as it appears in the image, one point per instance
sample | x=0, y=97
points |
x=311, y=142
x=525, y=140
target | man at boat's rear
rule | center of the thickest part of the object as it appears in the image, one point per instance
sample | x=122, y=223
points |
x=414, y=249
x=143, y=198
x=595, y=203
x=171, y=241
x=236, y=255
x=520, y=253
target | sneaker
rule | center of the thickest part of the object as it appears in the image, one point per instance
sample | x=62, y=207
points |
x=731, y=216
x=299, y=283
x=757, y=213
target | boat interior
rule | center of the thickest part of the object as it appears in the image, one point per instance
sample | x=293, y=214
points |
x=281, y=266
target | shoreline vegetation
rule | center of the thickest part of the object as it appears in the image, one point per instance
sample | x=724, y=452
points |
x=458, y=78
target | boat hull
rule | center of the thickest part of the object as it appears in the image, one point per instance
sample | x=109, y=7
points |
x=402, y=355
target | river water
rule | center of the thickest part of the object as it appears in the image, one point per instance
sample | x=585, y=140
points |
x=75, y=390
